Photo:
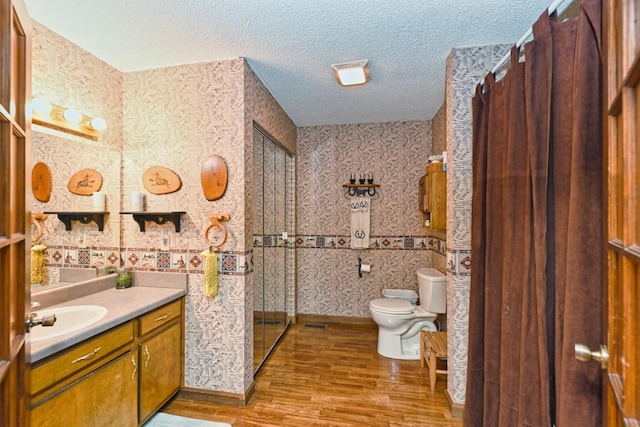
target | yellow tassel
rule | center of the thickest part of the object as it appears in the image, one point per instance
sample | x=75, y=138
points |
x=210, y=273
x=37, y=264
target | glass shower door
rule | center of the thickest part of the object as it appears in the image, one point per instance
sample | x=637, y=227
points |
x=273, y=224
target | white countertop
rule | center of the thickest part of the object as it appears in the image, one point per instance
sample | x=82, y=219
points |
x=122, y=305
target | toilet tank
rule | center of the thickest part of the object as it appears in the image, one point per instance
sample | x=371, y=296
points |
x=432, y=286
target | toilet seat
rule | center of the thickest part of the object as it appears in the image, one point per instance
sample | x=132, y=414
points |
x=392, y=306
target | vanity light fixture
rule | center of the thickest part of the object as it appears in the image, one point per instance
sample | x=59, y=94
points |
x=66, y=119
x=352, y=73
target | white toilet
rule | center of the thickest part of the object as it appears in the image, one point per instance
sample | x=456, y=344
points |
x=399, y=321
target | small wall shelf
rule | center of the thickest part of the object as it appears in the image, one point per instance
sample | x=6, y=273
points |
x=157, y=217
x=82, y=217
x=361, y=190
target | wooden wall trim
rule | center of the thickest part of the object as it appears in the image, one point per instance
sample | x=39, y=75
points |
x=219, y=397
x=457, y=409
x=345, y=320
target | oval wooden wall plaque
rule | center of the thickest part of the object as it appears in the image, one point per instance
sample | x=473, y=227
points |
x=41, y=182
x=213, y=177
x=85, y=182
x=160, y=180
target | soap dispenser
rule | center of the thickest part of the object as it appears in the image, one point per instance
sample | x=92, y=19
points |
x=124, y=279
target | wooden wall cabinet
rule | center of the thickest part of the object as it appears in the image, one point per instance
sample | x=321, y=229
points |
x=433, y=197
x=119, y=378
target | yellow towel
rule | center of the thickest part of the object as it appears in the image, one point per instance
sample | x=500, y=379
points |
x=37, y=264
x=210, y=273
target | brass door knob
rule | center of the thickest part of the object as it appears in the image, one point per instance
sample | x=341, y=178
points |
x=584, y=354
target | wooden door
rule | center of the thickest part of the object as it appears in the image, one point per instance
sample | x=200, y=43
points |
x=622, y=88
x=15, y=88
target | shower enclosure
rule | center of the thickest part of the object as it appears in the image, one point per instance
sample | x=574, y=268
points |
x=273, y=244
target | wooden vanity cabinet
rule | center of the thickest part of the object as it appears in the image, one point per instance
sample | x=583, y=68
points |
x=119, y=378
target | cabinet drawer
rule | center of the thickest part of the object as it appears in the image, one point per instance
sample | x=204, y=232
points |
x=80, y=356
x=160, y=316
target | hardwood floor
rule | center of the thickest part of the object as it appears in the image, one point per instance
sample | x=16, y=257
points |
x=332, y=377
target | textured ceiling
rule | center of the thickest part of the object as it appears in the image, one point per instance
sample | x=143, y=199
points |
x=290, y=44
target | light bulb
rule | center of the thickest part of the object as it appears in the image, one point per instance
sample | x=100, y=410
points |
x=72, y=116
x=98, y=123
x=41, y=106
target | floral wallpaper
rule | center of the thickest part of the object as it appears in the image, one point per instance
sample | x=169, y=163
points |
x=396, y=154
x=466, y=67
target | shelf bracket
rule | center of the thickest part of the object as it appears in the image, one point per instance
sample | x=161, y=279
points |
x=82, y=217
x=157, y=217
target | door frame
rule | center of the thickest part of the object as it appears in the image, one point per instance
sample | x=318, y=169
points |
x=621, y=57
x=15, y=215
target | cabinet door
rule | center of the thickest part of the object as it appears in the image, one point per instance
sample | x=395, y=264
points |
x=160, y=369
x=107, y=397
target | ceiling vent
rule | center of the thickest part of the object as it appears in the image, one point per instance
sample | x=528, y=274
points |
x=352, y=73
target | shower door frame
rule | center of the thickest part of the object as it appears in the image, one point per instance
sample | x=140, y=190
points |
x=273, y=256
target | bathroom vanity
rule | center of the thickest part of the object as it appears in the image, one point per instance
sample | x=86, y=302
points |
x=117, y=371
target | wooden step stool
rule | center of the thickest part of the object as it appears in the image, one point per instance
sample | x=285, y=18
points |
x=433, y=346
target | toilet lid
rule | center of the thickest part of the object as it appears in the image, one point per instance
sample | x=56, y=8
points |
x=392, y=305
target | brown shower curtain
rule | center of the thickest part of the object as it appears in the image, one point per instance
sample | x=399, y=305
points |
x=537, y=237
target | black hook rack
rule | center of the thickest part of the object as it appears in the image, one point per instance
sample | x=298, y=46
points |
x=361, y=190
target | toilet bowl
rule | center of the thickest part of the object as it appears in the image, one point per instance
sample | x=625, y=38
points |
x=400, y=322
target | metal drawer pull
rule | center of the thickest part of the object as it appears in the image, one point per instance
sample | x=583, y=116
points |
x=146, y=352
x=87, y=356
x=135, y=367
x=162, y=317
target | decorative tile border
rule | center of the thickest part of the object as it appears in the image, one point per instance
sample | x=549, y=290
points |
x=230, y=263
x=344, y=242
x=459, y=262
x=464, y=262
x=147, y=259
x=59, y=256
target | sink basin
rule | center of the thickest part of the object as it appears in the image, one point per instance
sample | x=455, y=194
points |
x=68, y=319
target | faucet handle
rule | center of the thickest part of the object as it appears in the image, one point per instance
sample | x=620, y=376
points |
x=33, y=320
x=49, y=320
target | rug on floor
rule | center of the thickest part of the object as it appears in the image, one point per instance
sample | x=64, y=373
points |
x=167, y=420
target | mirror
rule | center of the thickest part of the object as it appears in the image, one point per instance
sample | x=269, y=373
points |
x=83, y=247
x=273, y=257
x=68, y=77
